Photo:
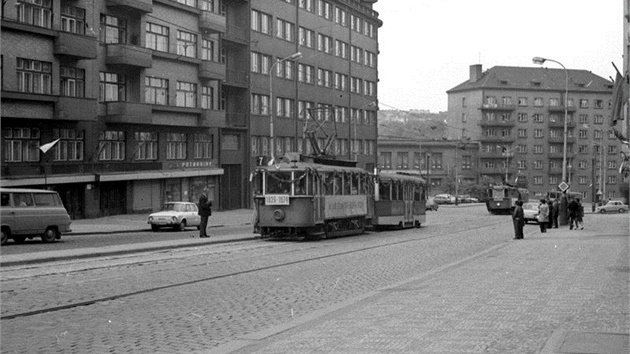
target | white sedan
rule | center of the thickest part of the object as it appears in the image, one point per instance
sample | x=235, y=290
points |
x=613, y=206
x=177, y=215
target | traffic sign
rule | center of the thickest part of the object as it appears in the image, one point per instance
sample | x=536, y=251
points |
x=563, y=186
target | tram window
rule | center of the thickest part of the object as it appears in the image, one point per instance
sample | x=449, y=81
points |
x=417, y=193
x=278, y=183
x=258, y=183
x=300, y=184
x=347, y=183
x=329, y=183
x=355, y=183
x=385, y=190
x=338, y=178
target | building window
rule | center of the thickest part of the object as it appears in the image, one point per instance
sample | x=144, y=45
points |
x=583, y=134
x=402, y=160
x=553, y=180
x=522, y=133
x=207, y=97
x=538, y=118
x=284, y=69
x=186, y=44
x=285, y=30
x=466, y=162
x=583, y=180
x=306, y=5
x=522, y=149
x=214, y=6
x=176, y=146
x=340, y=16
x=538, y=165
x=111, y=87
x=538, y=149
x=583, y=103
x=612, y=149
x=306, y=37
x=538, y=102
x=341, y=49
x=598, y=119
x=324, y=9
x=113, y=29
x=72, y=19
x=538, y=180
x=156, y=90
x=209, y=50
x=20, y=144
x=34, y=76
x=261, y=22
x=583, y=164
x=260, y=104
x=341, y=81
x=156, y=37
x=369, y=88
x=323, y=77
x=555, y=164
x=305, y=73
x=521, y=164
x=386, y=160
x=284, y=107
x=260, y=63
x=191, y=3
x=463, y=117
x=35, y=12
x=324, y=43
x=554, y=102
x=356, y=54
x=597, y=134
x=304, y=109
x=356, y=85
x=186, y=94
x=203, y=146
x=583, y=118
x=612, y=164
x=521, y=117
x=522, y=101
x=70, y=145
x=111, y=146
x=611, y=179
x=599, y=104
x=555, y=133
x=71, y=81
x=583, y=149
x=146, y=145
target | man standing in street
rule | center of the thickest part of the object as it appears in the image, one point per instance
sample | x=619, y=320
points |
x=518, y=220
x=556, y=212
x=205, y=210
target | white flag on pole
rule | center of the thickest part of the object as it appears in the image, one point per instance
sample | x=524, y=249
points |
x=44, y=148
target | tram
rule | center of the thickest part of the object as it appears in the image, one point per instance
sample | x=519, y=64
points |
x=312, y=198
x=502, y=198
x=399, y=200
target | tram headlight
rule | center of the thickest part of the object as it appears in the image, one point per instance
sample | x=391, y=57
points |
x=279, y=214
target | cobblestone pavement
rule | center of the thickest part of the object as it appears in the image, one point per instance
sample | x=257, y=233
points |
x=413, y=296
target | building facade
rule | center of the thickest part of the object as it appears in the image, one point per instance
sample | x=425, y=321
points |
x=518, y=116
x=445, y=164
x=145, y=101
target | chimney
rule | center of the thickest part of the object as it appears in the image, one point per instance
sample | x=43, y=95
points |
x=475, y=73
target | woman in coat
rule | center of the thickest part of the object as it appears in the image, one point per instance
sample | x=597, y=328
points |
x=543, y=215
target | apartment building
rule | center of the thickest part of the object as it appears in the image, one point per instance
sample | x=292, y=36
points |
x=145, y=101
x=517, y=115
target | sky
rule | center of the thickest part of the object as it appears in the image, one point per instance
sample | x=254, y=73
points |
x=427, y=46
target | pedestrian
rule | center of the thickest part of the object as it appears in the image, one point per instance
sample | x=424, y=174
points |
x=551, y=215
x=543, y=215
x=574, y=209
x=580, y=215
x=556, y=212
x=519, y=220
x=205, y=210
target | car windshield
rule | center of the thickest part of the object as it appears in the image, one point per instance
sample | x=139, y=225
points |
x=530, y=206
x=174, y=207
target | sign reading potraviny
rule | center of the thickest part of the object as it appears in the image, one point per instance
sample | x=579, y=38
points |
x=339, y=206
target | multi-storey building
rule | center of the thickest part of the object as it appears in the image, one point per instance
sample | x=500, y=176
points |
x=148, y=101
x=517, y=114
x=438, y=161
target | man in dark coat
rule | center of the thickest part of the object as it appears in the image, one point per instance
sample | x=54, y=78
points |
x=574, y=209
x=556, y=213
x=205, y=210
x=518, y=220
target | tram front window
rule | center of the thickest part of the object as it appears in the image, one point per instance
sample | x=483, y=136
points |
x=384, y=191
x=279, y=183
x=301, y=183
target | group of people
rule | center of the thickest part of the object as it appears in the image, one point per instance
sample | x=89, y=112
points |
x=548, y=213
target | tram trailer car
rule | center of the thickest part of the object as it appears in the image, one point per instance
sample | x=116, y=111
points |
x=310, y=200
x=399, y=200
x=502, y=198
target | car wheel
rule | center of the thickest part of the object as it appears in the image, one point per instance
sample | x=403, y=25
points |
x=5, y=237
x=602, y=211
x=155, y=228
x=621, y=210
x=182, y=226
x=49, y=235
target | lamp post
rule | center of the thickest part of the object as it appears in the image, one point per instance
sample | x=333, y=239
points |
x=563, y=202
x=272, y=138
x=507, y=152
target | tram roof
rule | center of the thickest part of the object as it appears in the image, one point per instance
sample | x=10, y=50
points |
x=302, y=166
x=401, y=176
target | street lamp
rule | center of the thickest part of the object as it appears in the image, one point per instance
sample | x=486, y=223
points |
x=272, y=141
x=563, y=202
x=507, y=153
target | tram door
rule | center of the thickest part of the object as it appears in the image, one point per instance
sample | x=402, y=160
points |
x=318, y=199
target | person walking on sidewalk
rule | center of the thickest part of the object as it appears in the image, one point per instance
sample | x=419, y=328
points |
x=518, y=218
x=205, y=211
x=574, y=209
x=579, y=219
x=543, y=215
x=555, y=213
x=551, y=215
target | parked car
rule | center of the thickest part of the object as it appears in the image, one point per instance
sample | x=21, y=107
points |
x=613, y=206
x=530, y=212
x=444, y=199
x=177, y=215
x=465, y=198
x=431, y=204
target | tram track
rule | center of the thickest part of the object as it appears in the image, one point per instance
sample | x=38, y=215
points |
x=432, y=235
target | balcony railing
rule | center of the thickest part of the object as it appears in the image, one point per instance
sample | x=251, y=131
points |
x=212, y=22
x=497, y=107
x=237, y=119
x=144, y=6
x=497, y=139
x=560, y=109
x=75, y=45
x=212, y=118
x=212, y=70
x=560, y=124
x=236, y=34
x=497, y=123
x=129, y=55
x=76, y=109
x=237, y=78
x=128, y=112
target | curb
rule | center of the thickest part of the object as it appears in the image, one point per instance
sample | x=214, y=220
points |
x=83, y=233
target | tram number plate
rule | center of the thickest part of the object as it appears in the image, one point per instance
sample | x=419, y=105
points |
x=278, y=199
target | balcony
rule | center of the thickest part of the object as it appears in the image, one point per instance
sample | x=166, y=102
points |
x=76, y=109
x=237, y=119
x=238, y=78
x=144, y=6
x=237, y=34
x=211, y=70
x=560, y=124
x=497, y=107
x=128, y=55
x=560, y=140
x=211, y=118
x=497, y=139
x=497, y=123
x=128, y=112
x=212, y=22
x=560, y=109
x=75, y=45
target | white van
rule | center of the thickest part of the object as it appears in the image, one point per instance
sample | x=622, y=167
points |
x=31, y=213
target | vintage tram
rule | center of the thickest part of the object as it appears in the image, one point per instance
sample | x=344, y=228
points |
x=502, y=198
x=312, y=198
x=399, y=200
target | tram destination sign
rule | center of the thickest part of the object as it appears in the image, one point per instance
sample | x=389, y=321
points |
x=277, y=199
